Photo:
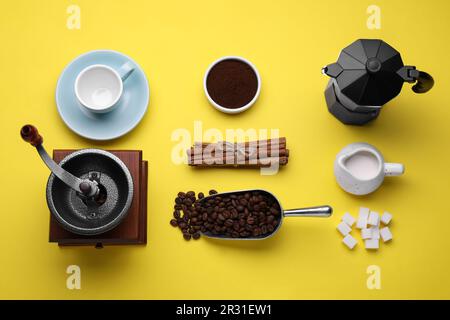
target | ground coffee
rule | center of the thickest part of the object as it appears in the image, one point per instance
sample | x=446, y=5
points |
x=241, y=215
x=232, y=83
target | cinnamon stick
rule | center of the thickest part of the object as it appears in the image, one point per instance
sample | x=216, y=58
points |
x=281, y=152
x=281, y=140
x=255, y=162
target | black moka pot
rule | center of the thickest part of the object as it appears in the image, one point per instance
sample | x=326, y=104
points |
x=368, y=74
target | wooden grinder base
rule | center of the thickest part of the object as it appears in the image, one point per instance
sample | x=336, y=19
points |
x=133, y=229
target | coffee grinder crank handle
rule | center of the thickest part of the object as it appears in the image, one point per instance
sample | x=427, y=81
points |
x=85, y=187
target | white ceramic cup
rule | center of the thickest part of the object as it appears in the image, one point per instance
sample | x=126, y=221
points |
x=99, y=87
x=360, y=168
x=230, y=110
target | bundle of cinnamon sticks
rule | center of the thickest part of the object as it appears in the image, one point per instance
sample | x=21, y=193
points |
x=259, y=153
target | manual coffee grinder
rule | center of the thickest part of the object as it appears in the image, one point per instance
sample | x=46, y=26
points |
x=94, y=196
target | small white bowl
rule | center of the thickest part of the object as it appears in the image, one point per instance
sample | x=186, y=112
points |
x=230, y=110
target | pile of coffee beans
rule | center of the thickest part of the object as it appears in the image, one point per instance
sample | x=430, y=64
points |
x=187, y=214
x=235, y=215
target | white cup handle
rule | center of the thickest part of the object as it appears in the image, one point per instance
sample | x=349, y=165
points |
x=394, y=169
x=126, y=70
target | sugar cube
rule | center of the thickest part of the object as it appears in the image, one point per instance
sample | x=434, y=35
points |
x=386, y=234
x=366, y=234
x=348, y=219
x=362, y=223
x=386, y=218
x=375, y=232
x=349, y=241
x=362, y=218
x=343, y=228
x=374, y=218
x=372, y=244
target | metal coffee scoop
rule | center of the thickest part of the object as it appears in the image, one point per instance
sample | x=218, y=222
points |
x=87, y=189
x=319, y=211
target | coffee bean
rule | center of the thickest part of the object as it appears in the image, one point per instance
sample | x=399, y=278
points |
x=201, y=195
x=190, y=194
x=196, y=236
x=194, y=213
x=174, y=223
x=212, y=191
x=264, y=229
x=176, y=214
x=186, y=236
x=274, y=211
x=182, y=225
x=244, y=234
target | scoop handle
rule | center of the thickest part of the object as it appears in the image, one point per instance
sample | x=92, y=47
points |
x=30, y=134
x=319, y=211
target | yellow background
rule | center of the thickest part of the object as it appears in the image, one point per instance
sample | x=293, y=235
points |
x=174, y=42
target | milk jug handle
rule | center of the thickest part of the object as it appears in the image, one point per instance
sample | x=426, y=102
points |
x=394, y=169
